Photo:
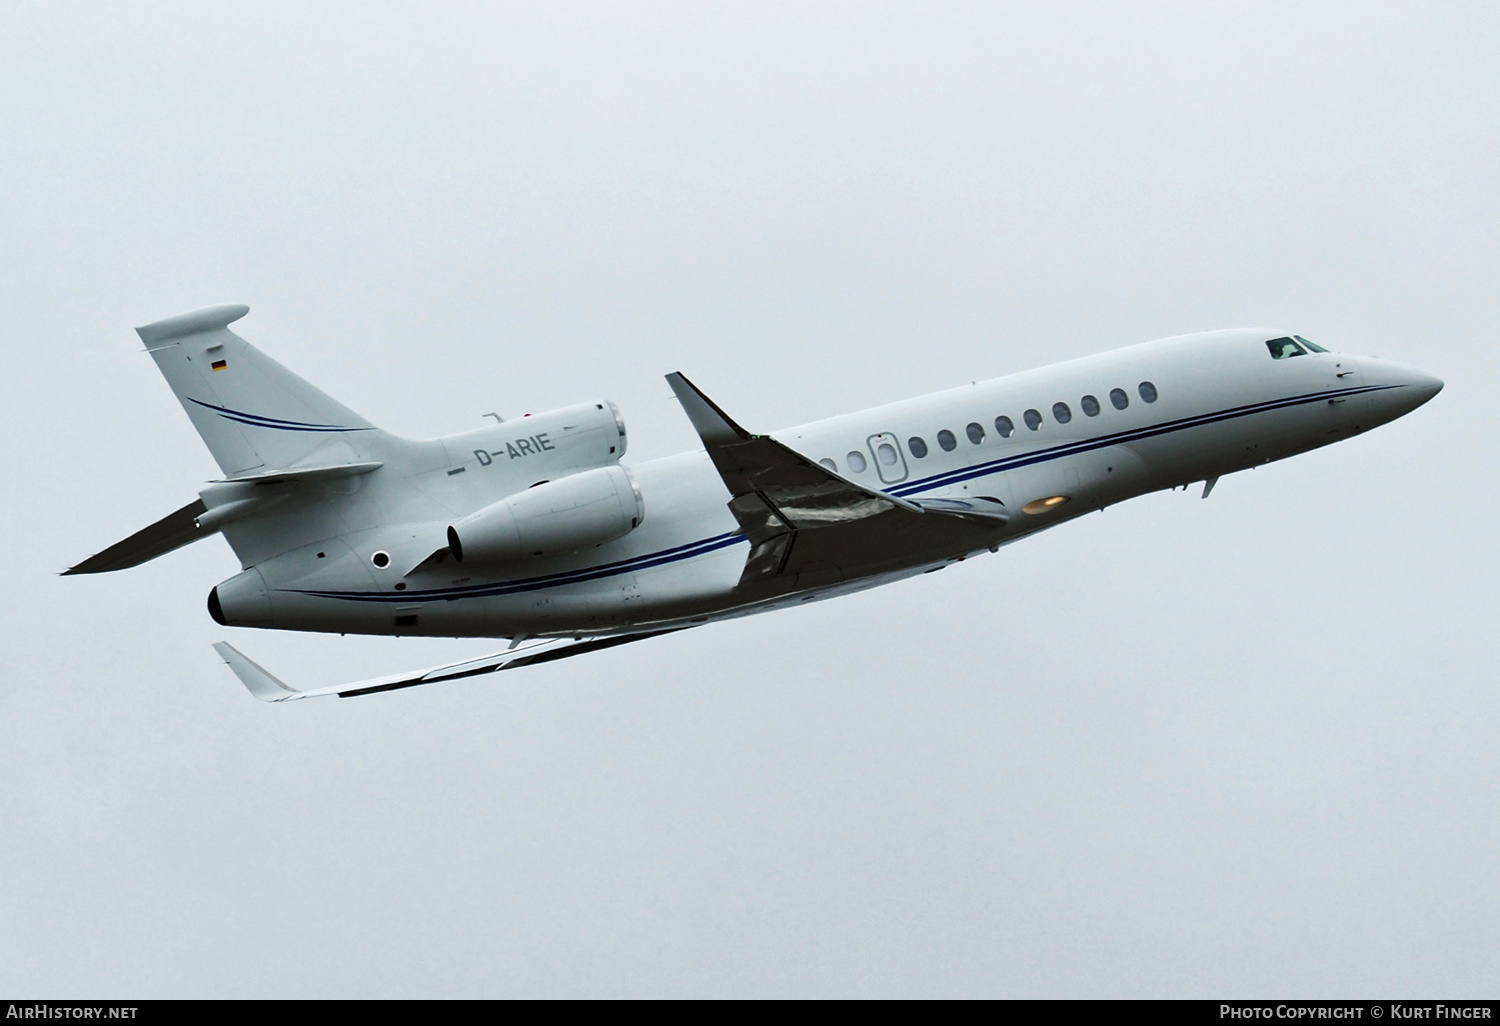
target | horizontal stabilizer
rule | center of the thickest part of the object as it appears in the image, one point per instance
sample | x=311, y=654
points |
x=266, y=687
x=172, y=531
x=310, y=473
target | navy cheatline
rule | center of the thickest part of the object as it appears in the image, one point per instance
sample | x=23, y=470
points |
x=593, y=573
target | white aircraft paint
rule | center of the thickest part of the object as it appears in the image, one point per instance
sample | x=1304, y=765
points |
x=533, y=530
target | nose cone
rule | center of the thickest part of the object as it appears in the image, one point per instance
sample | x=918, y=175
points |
x=1400, y=389
x=1424, y=386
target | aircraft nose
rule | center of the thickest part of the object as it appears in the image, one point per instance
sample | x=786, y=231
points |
x=1405, y=389
x=1424, y=385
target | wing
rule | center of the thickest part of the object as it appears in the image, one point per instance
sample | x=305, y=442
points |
x=268, y=688
x=808, y=522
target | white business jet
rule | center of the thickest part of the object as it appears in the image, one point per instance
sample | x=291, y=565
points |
x=534, y=531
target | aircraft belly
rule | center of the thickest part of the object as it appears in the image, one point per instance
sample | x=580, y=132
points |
x=586, y=610
x=1219, y=448
x=609, y=591
x=1102, y=477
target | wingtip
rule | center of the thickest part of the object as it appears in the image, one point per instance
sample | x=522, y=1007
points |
x=713, y=425
x=257, y=680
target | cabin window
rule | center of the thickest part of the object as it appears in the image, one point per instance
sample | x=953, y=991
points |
x=1284, y=349
x=975, y=433
x=1148, y=391
x=829, y=464
x=1004, y=426
x=1119, y=398
x=856, y=462
x=1310, y=345
x=1090, y=405
x=1032, y=418
x=917, y=446
x=885, y=452
x=946, y=440
x=1061, y=413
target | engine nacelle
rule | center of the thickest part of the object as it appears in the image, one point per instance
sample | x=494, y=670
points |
x=547, y=446
x=573, y=513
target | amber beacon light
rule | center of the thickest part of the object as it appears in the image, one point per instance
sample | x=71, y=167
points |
x=1043, y=505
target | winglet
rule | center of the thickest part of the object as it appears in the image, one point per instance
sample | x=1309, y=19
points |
x=712, y=424
x=268, y=689
x=260, y=683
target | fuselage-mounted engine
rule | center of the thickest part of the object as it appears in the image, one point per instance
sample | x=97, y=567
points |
x=573, y=513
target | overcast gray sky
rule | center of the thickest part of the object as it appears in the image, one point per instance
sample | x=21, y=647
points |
x=1241, y=746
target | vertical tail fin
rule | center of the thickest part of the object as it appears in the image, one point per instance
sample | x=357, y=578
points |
x=252, y=412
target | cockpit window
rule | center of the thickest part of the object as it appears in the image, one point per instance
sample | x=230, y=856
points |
x=1311, y=345
x=1284, y=349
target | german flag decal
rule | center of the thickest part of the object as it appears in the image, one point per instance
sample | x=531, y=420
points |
x=219, y=365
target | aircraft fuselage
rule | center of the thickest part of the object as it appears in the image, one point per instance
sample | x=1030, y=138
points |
x=1050, y=444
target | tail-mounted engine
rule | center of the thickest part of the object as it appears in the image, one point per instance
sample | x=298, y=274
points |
x=545, y=447
x=576, y=512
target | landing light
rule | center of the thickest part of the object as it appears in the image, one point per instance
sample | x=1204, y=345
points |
x=1043, y=505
